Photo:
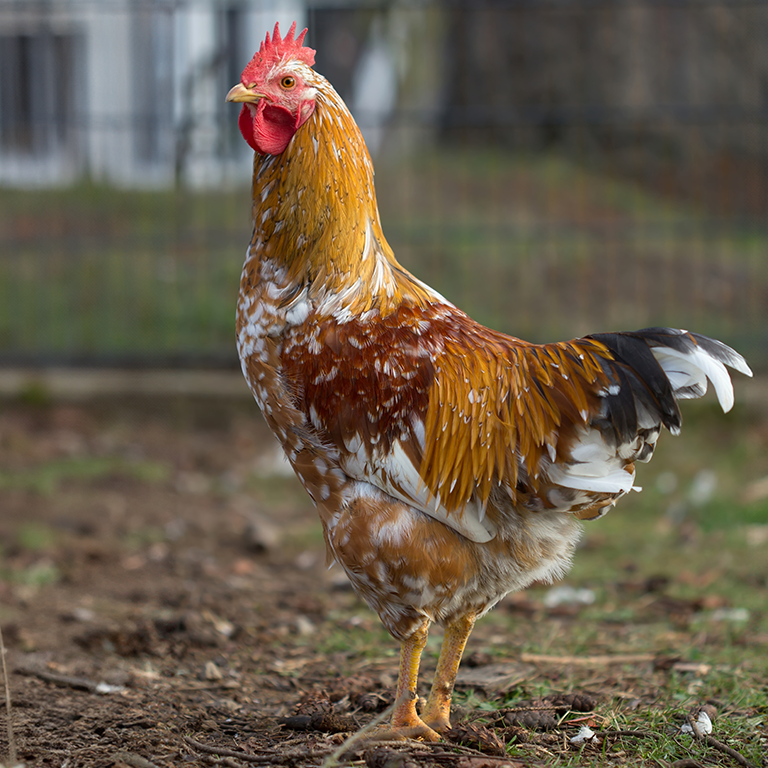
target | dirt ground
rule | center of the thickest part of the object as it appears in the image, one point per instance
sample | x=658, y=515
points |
x=165, y=601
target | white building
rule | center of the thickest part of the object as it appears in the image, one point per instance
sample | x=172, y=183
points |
x=128, y=92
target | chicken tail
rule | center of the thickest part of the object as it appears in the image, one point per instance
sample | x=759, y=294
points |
x=660, y=367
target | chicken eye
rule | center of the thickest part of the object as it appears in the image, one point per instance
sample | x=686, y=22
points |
x=288, y=82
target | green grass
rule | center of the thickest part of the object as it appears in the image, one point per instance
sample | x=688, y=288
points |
x=47, y=477
x=535, y=246
x=100, y=271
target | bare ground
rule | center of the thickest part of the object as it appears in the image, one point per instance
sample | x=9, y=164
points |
x=165, y=601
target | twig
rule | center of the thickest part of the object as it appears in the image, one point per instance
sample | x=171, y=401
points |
x=333, y=759
x=223, y=752
x=481, y=759
x=64, y=681
x=528, y=708
x=587, y=661
x=11, y=740
x=134, y=760
x=713, y=742
x=537, y=748
x=450, y=749
x=208, y=686
x=227, y=762
x=639, y=734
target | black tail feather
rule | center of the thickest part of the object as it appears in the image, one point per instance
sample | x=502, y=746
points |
x=640, y=378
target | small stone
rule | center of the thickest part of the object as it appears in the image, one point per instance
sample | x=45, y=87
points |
x=304, y=626
x=212, y=671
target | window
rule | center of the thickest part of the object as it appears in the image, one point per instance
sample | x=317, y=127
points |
x=153, y=83
x=37, y=96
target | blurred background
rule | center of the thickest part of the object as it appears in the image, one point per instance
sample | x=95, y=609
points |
x=553, y=167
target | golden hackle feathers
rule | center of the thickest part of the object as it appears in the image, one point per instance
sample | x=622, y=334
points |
x=315, y=211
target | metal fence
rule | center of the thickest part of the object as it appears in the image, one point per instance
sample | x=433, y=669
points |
x=554, y=168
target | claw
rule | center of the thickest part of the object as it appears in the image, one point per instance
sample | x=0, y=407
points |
x=440, y=724
x=417, y=730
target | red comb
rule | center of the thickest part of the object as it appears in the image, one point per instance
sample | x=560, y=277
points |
x=278, y=48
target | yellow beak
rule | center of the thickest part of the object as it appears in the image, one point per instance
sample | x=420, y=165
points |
x=240, y=93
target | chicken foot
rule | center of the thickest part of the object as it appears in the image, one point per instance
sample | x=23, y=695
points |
x=406, y=722
x=438, y=709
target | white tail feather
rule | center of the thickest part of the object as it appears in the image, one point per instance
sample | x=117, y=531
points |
x=690, y=370
x=604, y=479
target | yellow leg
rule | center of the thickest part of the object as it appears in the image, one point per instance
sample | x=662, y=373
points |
x=405, y=722
x=438, y=710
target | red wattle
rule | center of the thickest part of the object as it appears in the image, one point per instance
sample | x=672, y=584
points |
x=270, y=130
x=245, y=123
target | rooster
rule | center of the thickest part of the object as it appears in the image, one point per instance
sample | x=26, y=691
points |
x=449, y=463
